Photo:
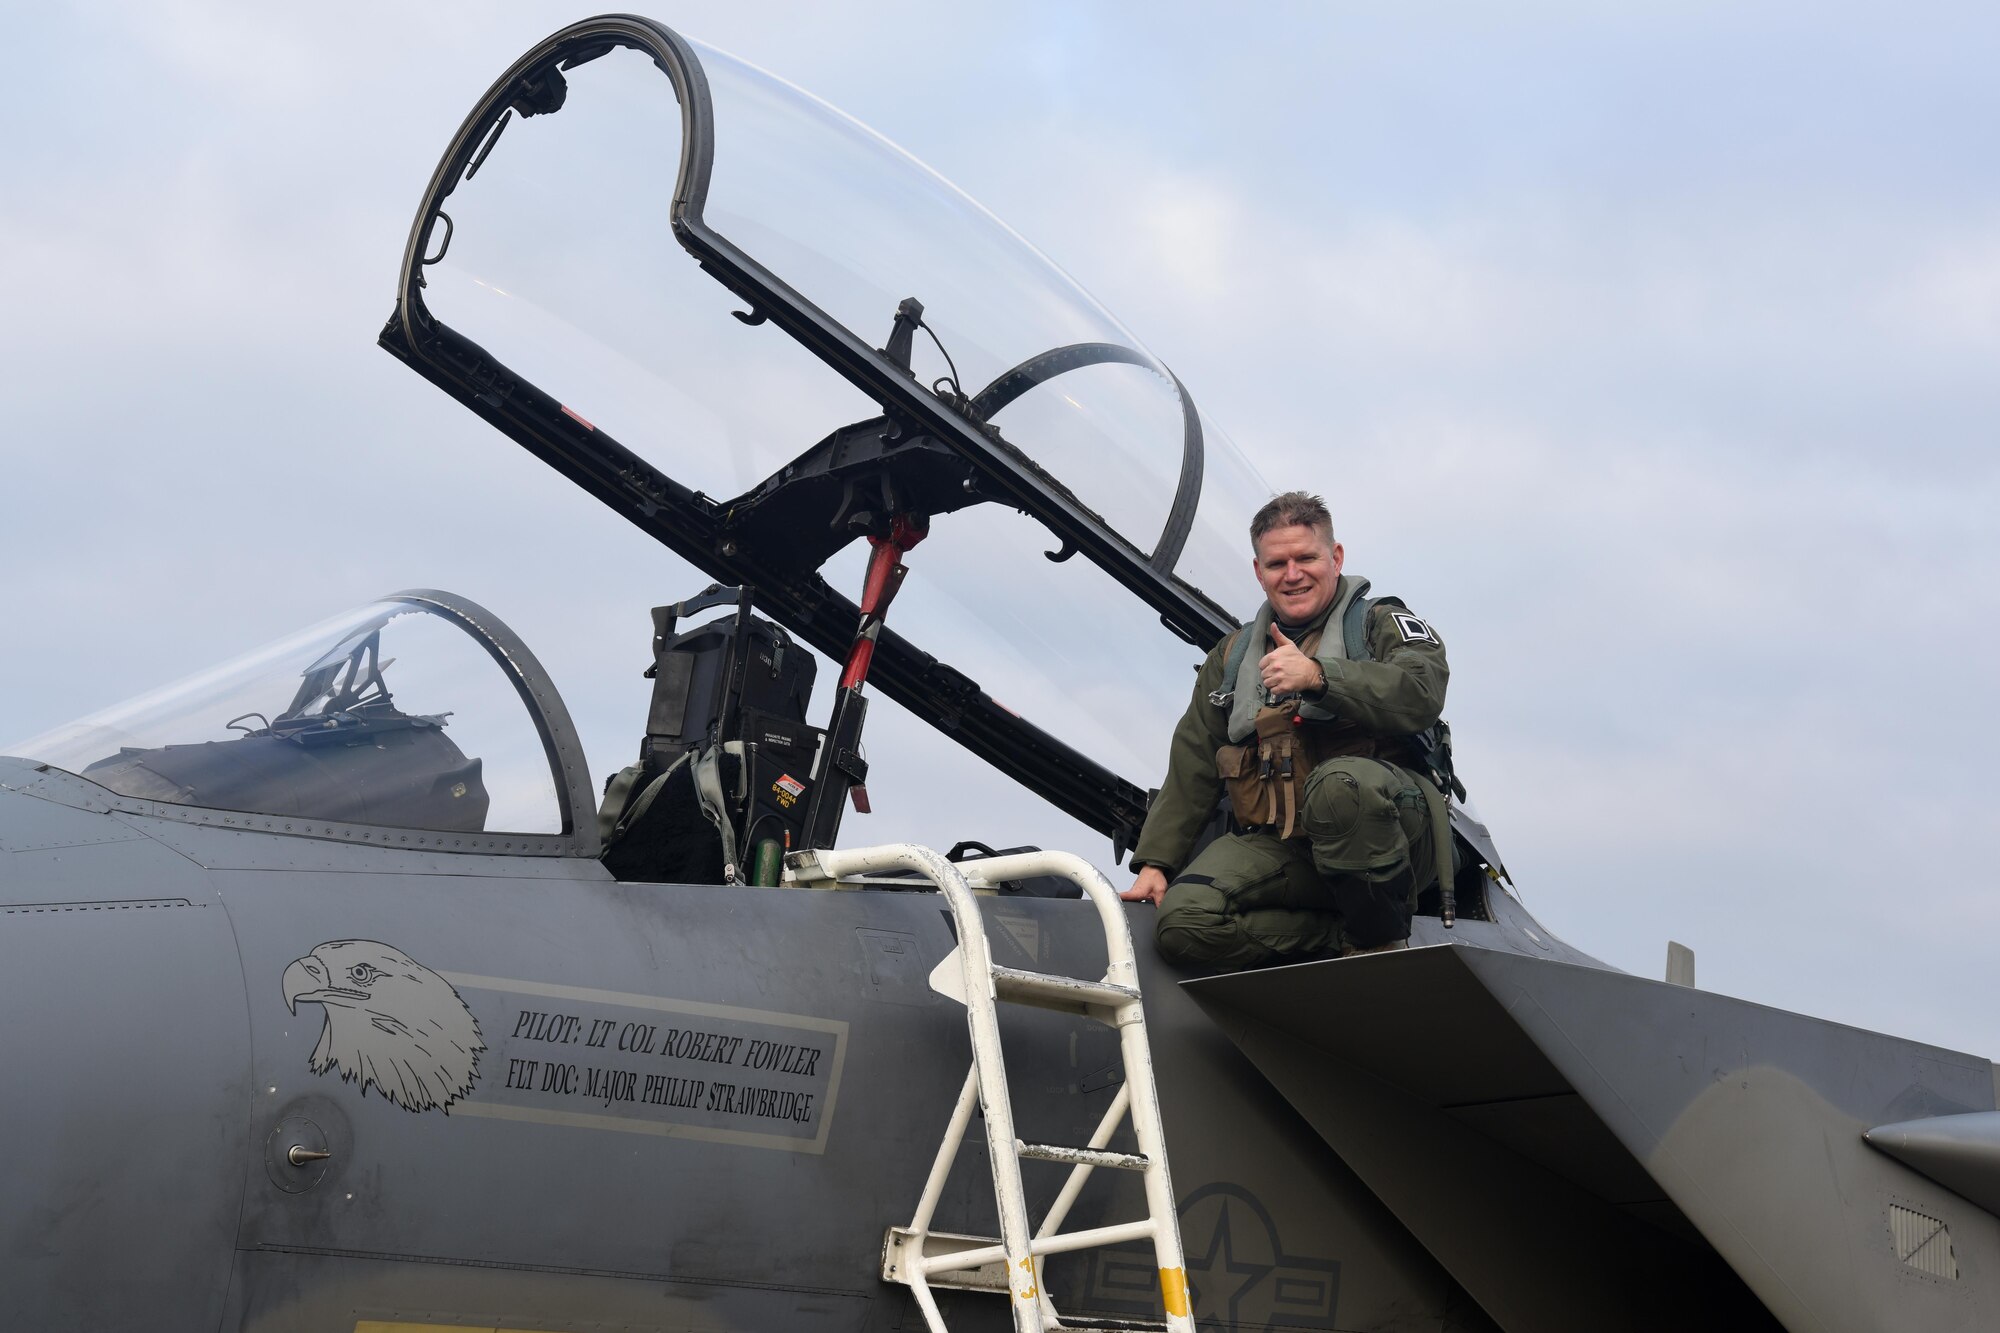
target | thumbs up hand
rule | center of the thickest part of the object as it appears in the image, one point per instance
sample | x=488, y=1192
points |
x=1286, y=670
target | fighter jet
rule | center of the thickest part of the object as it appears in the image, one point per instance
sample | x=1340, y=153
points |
x=340, y=995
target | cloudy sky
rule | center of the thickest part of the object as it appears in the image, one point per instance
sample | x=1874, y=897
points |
x=1647, y=350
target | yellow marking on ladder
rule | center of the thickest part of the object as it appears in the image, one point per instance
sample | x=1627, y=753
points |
x=1032, y=1291
x=1173, y=1290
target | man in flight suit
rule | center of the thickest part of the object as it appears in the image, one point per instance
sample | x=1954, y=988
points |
x=1332, y=859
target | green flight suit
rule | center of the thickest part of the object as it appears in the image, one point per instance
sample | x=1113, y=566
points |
x=1254, y=898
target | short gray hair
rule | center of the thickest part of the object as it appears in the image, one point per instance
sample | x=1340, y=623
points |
x=1292, y=509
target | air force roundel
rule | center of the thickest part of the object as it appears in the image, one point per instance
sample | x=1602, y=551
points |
x=1414, y=630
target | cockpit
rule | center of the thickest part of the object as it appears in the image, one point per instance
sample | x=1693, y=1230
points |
x=418, y=711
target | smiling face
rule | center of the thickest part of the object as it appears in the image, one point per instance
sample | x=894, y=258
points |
x=1298, y=568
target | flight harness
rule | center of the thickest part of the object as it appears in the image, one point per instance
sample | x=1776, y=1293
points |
x=1266, y=779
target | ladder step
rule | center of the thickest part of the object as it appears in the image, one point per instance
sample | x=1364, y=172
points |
x=1051, y=992
x=917, y=1257
x=1049, y=1152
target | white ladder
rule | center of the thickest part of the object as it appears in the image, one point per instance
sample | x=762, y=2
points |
x=914, y=1255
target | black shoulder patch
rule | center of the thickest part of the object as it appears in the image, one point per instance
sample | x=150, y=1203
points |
x=1412, y=629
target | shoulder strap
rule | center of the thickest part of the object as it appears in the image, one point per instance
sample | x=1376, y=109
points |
x=1354, y=628
x=634, y=808
x=708, y=789
x=617, y=800
x=1239, y=648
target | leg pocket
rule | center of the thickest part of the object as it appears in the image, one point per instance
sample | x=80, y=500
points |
x=1359, y=814
x=1257, y=870
x=1246, y=901
x=1201, y=920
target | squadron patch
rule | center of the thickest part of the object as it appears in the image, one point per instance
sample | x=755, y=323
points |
x=1414, y=630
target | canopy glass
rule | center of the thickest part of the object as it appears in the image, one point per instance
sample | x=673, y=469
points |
x=713, y=281
x=561, y=262
x=392, y=714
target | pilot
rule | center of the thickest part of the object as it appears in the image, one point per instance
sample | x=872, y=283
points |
x=1321, y=719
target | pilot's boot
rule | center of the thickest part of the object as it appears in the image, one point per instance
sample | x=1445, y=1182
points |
x=1390, y=947
x=1371, y=845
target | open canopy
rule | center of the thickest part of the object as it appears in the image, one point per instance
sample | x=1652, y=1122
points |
x=761, y=332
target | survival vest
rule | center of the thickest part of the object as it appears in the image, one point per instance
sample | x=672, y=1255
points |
x=1276, y=743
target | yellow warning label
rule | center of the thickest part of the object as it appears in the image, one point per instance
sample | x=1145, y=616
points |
x=1173, y=1290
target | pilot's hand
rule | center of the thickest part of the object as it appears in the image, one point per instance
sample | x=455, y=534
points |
x=1286, y=670
x=1150, y=887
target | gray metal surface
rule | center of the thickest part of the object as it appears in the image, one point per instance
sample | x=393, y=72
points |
x=1462, y=1126
x=125, y=1099
x=1960, y=1152
x=1500, y=1132
x=172, y=1068
x=1497, y=1132
x=1693, y=1113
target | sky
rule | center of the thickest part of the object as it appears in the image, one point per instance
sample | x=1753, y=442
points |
x=1646, y=350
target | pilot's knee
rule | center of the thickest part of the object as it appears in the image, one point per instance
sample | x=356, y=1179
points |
x=1341, y=795
x=1333, y=801
x=1353, y=812
x=1194, y=921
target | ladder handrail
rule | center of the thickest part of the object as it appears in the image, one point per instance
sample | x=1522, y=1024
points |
x=1032, y=1312
x=992, y=871
x=994, y=1104
x=1148, y=1127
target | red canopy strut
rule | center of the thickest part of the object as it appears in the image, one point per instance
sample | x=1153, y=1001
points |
x=885, y=576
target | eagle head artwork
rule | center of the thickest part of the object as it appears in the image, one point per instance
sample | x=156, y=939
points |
x=391, y=1023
